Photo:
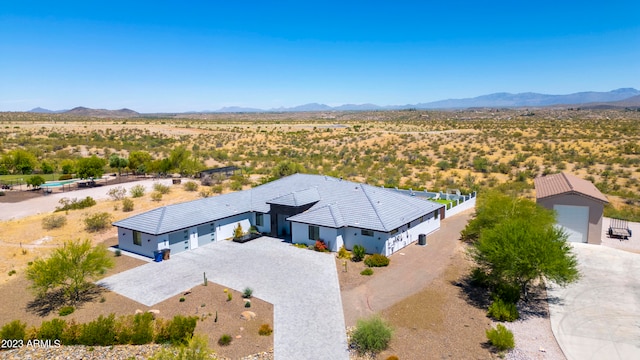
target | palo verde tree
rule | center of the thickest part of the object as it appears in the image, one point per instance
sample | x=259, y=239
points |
x=521, y=245
x=91, y=167
x=69, y=269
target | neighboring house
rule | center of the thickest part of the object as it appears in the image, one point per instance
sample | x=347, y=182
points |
x=578, y=205
x=300, y=207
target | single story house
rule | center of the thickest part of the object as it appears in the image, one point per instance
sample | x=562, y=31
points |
x=578, y=204
x=300, y=207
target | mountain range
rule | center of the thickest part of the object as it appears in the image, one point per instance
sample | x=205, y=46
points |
x=623, y=97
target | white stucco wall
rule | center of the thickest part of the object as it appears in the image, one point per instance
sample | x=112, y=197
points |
x=266, y=223
x=300, y=235
x=225, y=227
x=150, y=243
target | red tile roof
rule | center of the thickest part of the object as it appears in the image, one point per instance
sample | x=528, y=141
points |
x=563, y=183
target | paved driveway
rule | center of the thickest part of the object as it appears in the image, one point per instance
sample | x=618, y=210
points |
x=302, y=286
x=599, y=316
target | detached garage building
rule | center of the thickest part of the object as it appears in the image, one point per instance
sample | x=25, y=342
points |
x=301, y=208
x=578, y=205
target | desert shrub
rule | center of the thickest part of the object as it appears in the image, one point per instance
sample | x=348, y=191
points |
x=137, y=191
x=53, y=221
x=97, y=222
x=71, y=333
x=376, y=260
x=501, y=338
x=217, y=189
x=503, y=311
x=51, y=330
x=343, y=253
x=224, y=340
x=182, y=299
x=247, y=304
x=99, y=332
x=75, y=204
x=15, y=330
x=161, y=188
x=371, y=335
x=190, y=186
x=2, y=193
x=247, y=293
x=156, y=196
x=118, y=253
x=142, y=331
x=367, y=272
x=177, y=331
x=205, y=193
x=196, y=349
x=235, y=185
x=238, y=232
x=117, y=193
x=479, y=277
x=11, y=272
x=320, y=246
x=65, y=177
x=509, y=293
x=265, y=330
x=66, y=310
x=358, y=253
x=393, y=357
x=127, y=205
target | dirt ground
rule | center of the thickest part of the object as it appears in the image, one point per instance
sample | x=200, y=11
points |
x=201, y=301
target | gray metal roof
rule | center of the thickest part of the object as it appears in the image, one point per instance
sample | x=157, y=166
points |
x=339, y=203
x=298, y=198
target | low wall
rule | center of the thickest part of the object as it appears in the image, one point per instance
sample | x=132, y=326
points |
x=461, y=206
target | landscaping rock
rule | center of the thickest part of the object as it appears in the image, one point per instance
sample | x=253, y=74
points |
x=138, y=311
x=248, y=315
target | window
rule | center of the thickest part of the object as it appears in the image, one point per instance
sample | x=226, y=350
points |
x=436, y=214
x=137, y=238
x=393, y=232
x=366, y=232
x=259, y=219
x=314, y=232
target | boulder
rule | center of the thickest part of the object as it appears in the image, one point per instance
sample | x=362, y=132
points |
x=247, y=315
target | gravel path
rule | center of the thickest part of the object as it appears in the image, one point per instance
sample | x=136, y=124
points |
x=45, y=204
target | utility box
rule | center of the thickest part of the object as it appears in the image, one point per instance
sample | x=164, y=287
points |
x=422, y=239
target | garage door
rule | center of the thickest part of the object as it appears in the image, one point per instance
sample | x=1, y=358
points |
x=206, y=234
x=574, y=220
x=179, y=241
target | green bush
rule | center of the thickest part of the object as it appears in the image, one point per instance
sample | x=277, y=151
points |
x=162, y=189
x=196, y=349
x=224, y=340
x=506, y=292
x=117, y=193
x=190, y=186
x=53, y=221
x=156, y=196
x=503, y=311
x=177, y=331
x=479, y=278
x=127, y=205
x=65, y=177
x=371, y=335
x=376, y=260
x=501, y=338
x=137, y=191
x=247, y=304
x=66, y=310
x=343, y=253
x=142, y=331
x=15, y=330
x=51, y=330
x=99, y=332
x=71, y=333
x=97, y=222
x=2, y=193
x=265, y=330
x=247, y=293
x=75, y=204
x=367, y=272
x=358, y=253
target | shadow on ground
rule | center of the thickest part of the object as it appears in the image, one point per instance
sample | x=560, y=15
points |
x=54, y=300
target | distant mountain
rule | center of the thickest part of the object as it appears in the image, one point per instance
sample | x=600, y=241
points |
x=496, y=100
x=45, y=111
x=232, y=109
x=530, y=99
x=630, y=103
x=83, y=111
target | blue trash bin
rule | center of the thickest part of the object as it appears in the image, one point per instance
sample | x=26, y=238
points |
x=157, y=256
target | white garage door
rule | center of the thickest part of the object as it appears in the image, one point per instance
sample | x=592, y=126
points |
x=574, y=220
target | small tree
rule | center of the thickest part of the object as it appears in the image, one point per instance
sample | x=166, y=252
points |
x=238, y=232
x=35, y=181
x=117, y=193
x=117, y=162
x=69, y=268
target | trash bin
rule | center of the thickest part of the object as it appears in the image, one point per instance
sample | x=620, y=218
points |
x=166, y=254
x=157, y=256
x=422, y=239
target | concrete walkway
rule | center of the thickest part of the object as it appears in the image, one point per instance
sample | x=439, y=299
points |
x=302, y=285
x=598, y=317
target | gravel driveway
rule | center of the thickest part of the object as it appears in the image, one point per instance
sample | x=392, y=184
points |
x=302, y=285
x=598, y=317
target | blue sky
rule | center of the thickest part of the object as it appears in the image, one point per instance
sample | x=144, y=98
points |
x=174, y=56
